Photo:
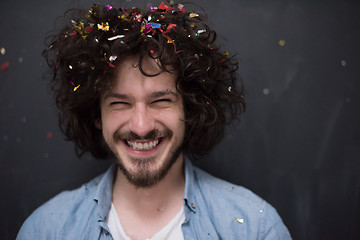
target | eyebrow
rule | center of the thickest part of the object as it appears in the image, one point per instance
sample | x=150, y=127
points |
x=156, y=94
x=163, y=93
x=116, y=95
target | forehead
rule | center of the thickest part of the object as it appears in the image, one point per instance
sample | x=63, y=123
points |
x=146, y=75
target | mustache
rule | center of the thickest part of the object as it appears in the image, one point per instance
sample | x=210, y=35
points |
x=151, y=135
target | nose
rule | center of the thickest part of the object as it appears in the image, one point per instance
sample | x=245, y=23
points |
x=141, y=121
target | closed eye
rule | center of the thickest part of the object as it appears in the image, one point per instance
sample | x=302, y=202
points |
x=114, y=103
x=162, y=100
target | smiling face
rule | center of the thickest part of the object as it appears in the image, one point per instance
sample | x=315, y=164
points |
x=142, y=120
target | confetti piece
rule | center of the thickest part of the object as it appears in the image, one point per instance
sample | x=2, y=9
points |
x=104, y=26
x=112, y=58
x=5, y=66
x=155, y=25
x=229, y=89
x=111, y=65
x=71, y=67
x=192, y=15
x=266, y=91
x=226, y=53
x=170, y=27
x=116, y=37
x=76, y=88
x=3, y=51
x=49, y=135
x=201, y=31
x=240, y=220
x=282, y=43
x=20, y=59
x=343, y=63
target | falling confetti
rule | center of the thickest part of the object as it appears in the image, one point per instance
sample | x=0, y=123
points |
x=282, y=43
x=49, y=135
x=343, y=63
x=266, y=91
x=3, y=51
x=23, y=119
x=240, y=220
x=5, y=66
x=20, y=59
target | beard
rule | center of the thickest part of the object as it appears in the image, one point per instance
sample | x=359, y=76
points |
x=145, y=176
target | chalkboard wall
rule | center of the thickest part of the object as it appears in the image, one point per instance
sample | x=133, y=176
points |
x=297, y=146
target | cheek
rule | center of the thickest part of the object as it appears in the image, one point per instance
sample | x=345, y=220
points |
x=111, y=122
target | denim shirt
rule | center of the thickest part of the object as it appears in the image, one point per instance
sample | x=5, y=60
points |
x=214, y=209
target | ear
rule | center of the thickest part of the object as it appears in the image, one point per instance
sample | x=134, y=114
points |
x=98, y=124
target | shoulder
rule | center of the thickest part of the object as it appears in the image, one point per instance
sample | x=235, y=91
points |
x=235, y=207
x=59, y=212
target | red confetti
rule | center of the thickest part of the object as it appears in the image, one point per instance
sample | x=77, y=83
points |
x=171, y=26
x=49, y=135
x=89, y=29
x=111, y=65
x=162, y=6
x=5, y=66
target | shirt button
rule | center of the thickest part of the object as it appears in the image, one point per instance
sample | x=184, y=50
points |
x=106, y=232
x=193, y=205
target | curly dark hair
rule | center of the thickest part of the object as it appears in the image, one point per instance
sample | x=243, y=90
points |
x=84, y=54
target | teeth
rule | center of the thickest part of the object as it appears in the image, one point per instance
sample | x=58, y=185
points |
x=143, y=146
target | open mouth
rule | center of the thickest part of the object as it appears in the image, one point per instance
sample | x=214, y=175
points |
x=143, y=145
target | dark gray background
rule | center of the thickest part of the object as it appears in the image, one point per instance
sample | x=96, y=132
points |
x=297, y=146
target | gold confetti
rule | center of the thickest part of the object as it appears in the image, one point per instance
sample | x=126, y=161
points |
x=104, y=26
x=192, y=15
x=282, y=43
x=76, y=88
x=226, y=53
x=2, y=50
x=240, y=220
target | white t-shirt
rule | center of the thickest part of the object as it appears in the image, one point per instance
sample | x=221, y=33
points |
x=171, y=231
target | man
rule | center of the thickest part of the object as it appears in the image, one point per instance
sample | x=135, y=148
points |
x=148, y=89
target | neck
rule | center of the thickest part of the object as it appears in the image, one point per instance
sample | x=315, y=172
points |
x=163, y=195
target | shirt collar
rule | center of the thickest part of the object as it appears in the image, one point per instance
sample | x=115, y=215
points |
x=103, y=195
x=189, y=197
